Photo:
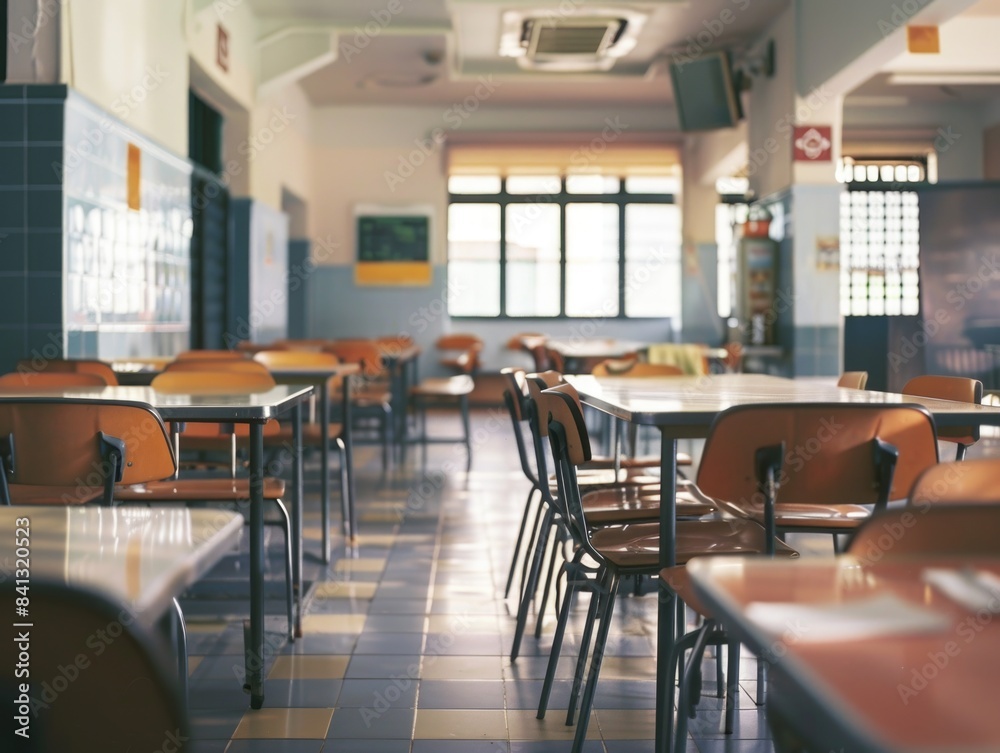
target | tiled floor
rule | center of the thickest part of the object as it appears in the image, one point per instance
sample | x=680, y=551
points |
x=407, y=638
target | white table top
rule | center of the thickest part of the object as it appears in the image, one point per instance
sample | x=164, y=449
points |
x=259, y=406
x=141, y=557
x=857, y=689
x=595, y=347
x=691, y=403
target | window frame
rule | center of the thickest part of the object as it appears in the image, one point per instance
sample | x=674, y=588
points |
x=622, y=199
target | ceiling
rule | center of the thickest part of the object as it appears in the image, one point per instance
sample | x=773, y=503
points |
x=437, y=52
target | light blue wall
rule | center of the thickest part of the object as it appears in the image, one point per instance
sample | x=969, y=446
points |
x=339, y=308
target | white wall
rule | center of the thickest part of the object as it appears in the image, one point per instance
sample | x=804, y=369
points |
x=958, y=128
x=131, y=59
x=278, y=149
x=383, y=155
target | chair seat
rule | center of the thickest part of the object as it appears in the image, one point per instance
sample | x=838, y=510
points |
x=207, y=490
x=638, y=545
x=637, y=503
x=596, y=478
x=455, y=386
x=816, y=516
x=25, y=494
x=648, y=461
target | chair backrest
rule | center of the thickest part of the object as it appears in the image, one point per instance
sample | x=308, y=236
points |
x=855, y=380
x=245, y=365
x=634, y=368
x=83, y=444
x=70, y=365
x=212, y=382
x=961, y=389
x=961, y=531
x=515, y=398
x=209, y=354
x=966, y=482
x=367, y=353
x=829, y=453
x=29, y=381
x=458, y=341
x=314, y=343
x=290, y=359
x=123, y=699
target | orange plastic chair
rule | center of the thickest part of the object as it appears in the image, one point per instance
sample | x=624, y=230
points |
x=70, y=365
x=124, y=696
x=69, y=451
x=214, y=436
x=969, y=481
x=623, y=550
x=961, y=389
x=824, y=467
x=371, y=396
x=210, y=354
x=855, y=380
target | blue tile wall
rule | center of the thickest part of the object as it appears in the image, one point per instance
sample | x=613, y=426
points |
x=80, y=273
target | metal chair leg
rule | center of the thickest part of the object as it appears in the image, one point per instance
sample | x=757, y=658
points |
x=286, y=527
x=529, y=590
x=599, y=592
x=587, y=702
x=540, y=606
x=520, y=538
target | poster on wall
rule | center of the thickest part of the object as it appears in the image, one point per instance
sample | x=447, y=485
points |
x=393, y=245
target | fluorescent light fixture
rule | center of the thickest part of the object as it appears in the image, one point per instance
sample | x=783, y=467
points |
x=944, y=79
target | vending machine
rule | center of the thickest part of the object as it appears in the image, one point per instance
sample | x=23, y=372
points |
x=757, y=278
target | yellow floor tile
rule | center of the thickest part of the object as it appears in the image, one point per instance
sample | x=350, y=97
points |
x=627, y=724
x=333, y=623
x=342, y=589
x=308, y=667
x=460, y=724
x=628, y=668
x=522, y=725
x=360, y=565
x=461, y=668
x=285, y=723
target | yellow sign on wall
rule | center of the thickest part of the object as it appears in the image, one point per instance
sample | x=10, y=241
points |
x=134, y=177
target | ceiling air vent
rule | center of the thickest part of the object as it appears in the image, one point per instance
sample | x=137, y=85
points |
x=588, y=41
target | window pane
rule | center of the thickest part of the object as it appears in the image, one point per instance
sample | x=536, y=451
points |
x=652, y=260
x=652, y=184
x=592, y=260
x=474, y=184
x=532, y=260
x=539, y=184
x=474, y=259
x=592, y=184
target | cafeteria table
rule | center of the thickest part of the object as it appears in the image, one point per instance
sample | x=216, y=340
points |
x=868, y=656
x=255, y=410
x=139, y=557
x=684, y=408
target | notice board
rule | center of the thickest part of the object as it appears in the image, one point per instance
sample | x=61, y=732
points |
x=393, y=246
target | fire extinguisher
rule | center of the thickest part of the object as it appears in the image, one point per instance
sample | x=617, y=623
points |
x=758, y=256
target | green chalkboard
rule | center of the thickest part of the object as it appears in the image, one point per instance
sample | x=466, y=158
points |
x=393, y=238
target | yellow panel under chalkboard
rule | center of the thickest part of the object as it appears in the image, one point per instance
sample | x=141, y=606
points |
x=392, y=273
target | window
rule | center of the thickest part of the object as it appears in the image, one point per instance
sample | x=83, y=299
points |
x=880, y=236
x=580, y=246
